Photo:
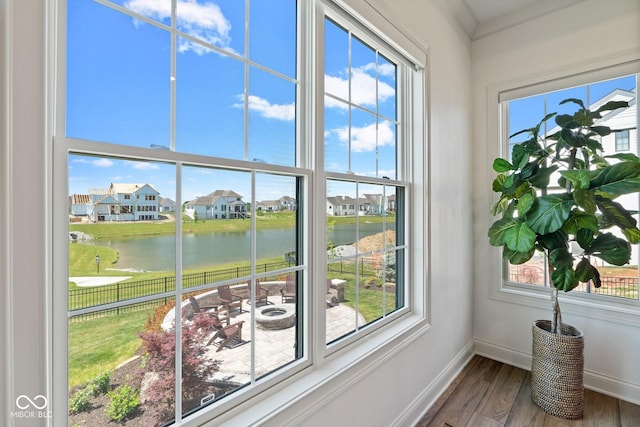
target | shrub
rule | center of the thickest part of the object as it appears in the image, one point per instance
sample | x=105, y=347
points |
x=155, y=319
x=160, y=359
x=123, y=401
x=80, y=401
x=99, y=384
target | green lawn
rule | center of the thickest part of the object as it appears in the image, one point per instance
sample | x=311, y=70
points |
x=99, y=345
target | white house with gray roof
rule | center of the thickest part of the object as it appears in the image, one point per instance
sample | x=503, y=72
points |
x=221, y=204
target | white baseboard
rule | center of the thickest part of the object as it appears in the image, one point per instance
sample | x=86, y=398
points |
x=417, y=408
x=604, y=384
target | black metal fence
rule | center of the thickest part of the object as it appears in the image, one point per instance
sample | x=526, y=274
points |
x=95, y=296
x=616, y=286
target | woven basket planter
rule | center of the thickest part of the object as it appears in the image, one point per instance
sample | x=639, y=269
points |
x=557, y=370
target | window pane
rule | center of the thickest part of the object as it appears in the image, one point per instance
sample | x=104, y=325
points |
x=220, y=24
x=524, y=113
x=336, y=60
x=272, y=119
x=159, y=10
x=272, y=35
x=336, y=136
x=210, y=105
x=364, y=143
x=387, y=91
x=215, y=234
x=117, y=77
x=363, y=83
x=121, y=246
x=276, y=222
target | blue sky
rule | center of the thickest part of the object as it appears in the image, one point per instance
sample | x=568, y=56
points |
x=527, y=112
x=119, y=80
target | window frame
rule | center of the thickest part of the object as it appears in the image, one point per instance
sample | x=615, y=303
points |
x=618, y=140
x=619, y=310
x=395, y=329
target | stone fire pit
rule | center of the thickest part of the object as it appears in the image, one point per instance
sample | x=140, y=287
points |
x=278, y=316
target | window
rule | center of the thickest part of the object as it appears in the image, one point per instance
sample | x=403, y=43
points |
x=205, y=104
x=525, y=112
x=622, y=140
x=361, y=147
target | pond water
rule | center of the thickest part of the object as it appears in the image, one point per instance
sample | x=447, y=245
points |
x=157, y=253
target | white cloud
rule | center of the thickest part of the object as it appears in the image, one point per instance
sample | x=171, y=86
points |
x=364, y=138
x=363, y=86
x=286, y=112
x=204, y=21
x=144, y=165
x=102, y=163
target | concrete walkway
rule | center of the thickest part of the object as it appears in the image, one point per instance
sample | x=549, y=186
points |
x=97, y=281
x=273, y=348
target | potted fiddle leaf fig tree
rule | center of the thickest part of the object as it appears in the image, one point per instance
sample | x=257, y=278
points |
x=558, y=193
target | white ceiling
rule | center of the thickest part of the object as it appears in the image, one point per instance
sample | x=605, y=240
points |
x=480, y=18
x=487, y=10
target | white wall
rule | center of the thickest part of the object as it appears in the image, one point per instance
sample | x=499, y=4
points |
x=400, y=380
x=586, y=36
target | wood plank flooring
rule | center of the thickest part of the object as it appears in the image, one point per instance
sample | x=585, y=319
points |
x=491, y=394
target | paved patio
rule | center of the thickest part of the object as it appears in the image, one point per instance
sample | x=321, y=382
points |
x=273, y=348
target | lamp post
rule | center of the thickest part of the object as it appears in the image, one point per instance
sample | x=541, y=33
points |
x=98, y=264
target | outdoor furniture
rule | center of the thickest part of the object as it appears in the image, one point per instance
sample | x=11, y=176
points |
x=216, y=309
x=229, y=299
x=289, y=289
x=261, y=293
x=225, y=335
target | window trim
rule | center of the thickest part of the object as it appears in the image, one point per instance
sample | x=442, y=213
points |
x=603, y=308
x=342, y=365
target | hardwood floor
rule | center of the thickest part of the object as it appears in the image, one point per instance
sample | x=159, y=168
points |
x=491, y=394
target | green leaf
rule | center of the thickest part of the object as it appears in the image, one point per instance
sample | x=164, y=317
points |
x=517, y=258
x=584, y=270
x=575, y=101
x=584, y=237
x=529, y=170
x=556, y=240
x=525, y=202
x=578, y=220
x=600, y=130
x=596, y=278
x=500, y=206
x=612, y=105
x=632, y=235
x=615, y=213
x=564, y=279
x=580, y=178
x=520, y=237
x=498, y=229
x=629, y=157
x=502, y=165
x=610, y=248
x=621, y=178
x=520, y=156
x=542, y=176
x=549, y=213
x=498, y=183
x=561, y=257
x=585, y=199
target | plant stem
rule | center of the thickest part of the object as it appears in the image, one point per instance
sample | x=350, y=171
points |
x=556, y=320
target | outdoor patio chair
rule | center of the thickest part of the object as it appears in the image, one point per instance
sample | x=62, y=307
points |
x=229, y=299
x=289, y=289
x=216, y=309
x=261, y=293
x=225, y=335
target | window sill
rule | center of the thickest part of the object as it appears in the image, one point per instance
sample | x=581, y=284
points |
x=609, y=309
x=322, y=382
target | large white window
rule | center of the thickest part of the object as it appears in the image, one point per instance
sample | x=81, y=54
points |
x=525, y=112
x=196, y=160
